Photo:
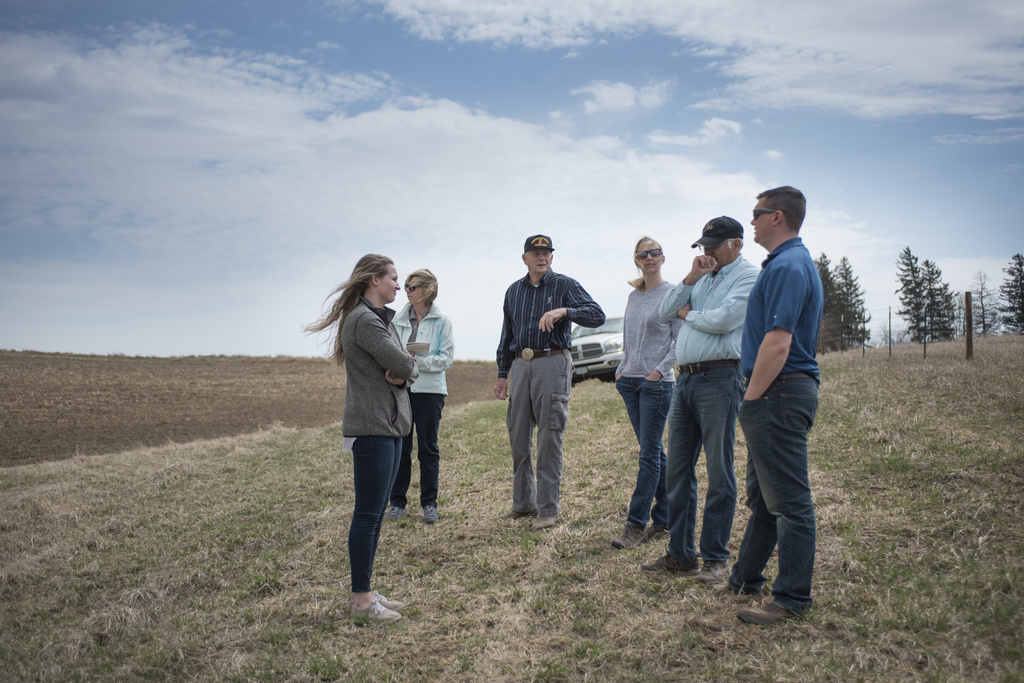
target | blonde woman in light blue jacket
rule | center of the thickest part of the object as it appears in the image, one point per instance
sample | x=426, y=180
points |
x=421, y=321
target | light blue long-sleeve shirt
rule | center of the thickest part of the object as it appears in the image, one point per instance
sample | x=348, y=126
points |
x=435, y=329
x=713, y=330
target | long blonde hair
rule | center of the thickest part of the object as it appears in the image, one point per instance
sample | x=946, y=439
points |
x=368, y=267
x=640, y=284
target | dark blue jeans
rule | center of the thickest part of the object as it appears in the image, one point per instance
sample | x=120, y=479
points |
x=374, y=464
x=647, y=406
x=703, y=414
x=426, y=419
x=778, y=492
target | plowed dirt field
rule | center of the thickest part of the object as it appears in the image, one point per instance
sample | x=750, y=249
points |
x=54, y=406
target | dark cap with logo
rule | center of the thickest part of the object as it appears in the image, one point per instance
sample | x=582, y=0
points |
x=718, y=230
x=537, y=242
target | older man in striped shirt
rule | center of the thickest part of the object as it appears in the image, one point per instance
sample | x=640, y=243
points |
x=535, y=374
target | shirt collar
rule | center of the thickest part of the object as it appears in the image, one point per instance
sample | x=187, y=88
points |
x=791, y=243
x=385, y=313
x=726, y=269
x=545, y=279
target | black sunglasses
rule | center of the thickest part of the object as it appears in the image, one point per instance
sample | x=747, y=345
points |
x=758, y=212
x=411, y=288
x=641, y=255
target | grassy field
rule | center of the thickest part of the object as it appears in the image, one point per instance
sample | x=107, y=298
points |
x=226, y=559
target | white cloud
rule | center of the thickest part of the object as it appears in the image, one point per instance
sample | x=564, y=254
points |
x=605, y=96
x=1001, y=136
x=772, y=154
x=872, y=59
x=157, y=198
x=712, y=131
x=162, y=200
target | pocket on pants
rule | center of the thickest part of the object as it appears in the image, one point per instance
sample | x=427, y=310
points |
x=798, y=411
x=558, y=412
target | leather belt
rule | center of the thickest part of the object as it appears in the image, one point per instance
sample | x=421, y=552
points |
x=690, y=368
x=530, y=354
x=796, y=375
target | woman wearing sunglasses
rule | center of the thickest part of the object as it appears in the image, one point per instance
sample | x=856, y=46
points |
x=645, y=380
x=422, y=325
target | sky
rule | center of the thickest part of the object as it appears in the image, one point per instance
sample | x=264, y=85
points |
x=196, y=177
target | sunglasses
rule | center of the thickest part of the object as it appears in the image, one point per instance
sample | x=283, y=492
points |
x=641, y=255
x=759, y=212
x=411, y=288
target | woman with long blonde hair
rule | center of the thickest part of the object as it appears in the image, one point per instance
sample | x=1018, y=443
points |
x=645, y=380
x=378, y=372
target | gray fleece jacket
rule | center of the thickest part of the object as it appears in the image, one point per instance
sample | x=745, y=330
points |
x=373, y=406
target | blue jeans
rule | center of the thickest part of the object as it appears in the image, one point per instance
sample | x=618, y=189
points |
x=426, y=419
x=703, y=413
x=647, y=406
x=374, y=464
x=778, y=492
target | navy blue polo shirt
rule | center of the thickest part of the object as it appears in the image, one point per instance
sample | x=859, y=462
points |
x=787, y=295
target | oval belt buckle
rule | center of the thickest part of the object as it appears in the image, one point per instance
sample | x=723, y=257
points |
x=528, y=354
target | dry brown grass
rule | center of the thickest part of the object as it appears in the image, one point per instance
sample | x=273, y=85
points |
x=56, y=405
x=226, y=559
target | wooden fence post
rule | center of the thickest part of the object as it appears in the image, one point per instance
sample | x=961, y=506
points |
x=969, y=324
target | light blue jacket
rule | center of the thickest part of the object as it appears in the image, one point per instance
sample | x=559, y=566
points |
x=435, y=328
x=713, y=330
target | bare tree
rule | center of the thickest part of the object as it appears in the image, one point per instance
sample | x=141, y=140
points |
x=985, y=304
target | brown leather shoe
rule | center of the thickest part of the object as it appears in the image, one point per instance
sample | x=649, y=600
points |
x=712, y=572
x=766, y=616
x=630, y=538
x=519, y=514
x=725, y=589
x=544, y=522
x=671, y=564
x=653, y=532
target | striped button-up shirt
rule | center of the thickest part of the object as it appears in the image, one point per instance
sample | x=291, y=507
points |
x=524, y=306
x=713, y=329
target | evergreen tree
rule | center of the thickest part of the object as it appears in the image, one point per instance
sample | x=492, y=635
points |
x=983, y=300
x=1013, y=295
x=912, y=295
x=940, y=303
x=848, y=304
x=928, y=305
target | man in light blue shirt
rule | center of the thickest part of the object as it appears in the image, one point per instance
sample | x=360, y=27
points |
x=712, y=303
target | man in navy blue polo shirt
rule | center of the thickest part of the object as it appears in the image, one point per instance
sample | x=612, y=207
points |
x=777, y=359
x=535, y=373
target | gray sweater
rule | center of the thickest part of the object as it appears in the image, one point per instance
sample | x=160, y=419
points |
x=648, y=342
x=373, y=406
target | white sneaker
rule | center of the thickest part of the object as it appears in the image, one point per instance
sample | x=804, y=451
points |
x=375, y=612
x=383, y=600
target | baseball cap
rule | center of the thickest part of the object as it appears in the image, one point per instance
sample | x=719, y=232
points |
x=537, y=242
x=718, y=230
